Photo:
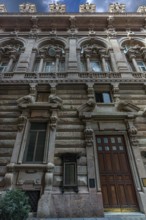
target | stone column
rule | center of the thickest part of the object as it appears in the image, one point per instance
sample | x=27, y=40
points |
x=104, y=68
x=40, y=69
x=132, y=58
x=88, y=62
x=10, y=64
x=57, y=63
x=90, y=90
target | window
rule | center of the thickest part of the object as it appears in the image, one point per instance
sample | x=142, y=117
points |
x=95, y=66
x=70, y=172
x=49, y=66
x=3, y=66
x=42, y=97
x=141, y=65
x=102, y=97
x=34, y=152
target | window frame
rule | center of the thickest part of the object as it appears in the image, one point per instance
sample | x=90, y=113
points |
x=102, y=97
x=70, y=159
x=25, y=139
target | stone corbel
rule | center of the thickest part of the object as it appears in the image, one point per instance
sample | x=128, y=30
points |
x=88, y=106
x=111, y=33
x=127, y=107
x=21, y=122
x=9, y=176
x=88, y=137
x=132, y=131
x=24, y=101
x=53, y=120
x=55, y=100
x=49, y=177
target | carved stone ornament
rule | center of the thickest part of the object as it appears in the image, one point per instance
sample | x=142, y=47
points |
x=8, y=179
x=27, y=8
x=117, y=8
x=49, y=177
x=25, y=100
x=88, y=137
x=88, y=106
x=111, y=33
x=141, y=9
x=132, y=131
x=53, y=120
x=55, y=99
x=90, y=8
x=21, y=122
x=127, y=106
x=28, y=99
x=10, y=49
x=57, y=8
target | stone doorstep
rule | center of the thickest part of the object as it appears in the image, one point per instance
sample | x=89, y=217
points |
x=112, y=216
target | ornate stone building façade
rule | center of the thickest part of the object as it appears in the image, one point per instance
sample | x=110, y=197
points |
x=73, y=109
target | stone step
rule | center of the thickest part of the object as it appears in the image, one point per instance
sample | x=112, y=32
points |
x=108, y=217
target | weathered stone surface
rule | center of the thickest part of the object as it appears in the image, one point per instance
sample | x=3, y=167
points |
x=7, y=143
x=70, y=143
x=76, y=205
x=4, y=160
x=8, y=128
x=7, y=135
x=5, y=152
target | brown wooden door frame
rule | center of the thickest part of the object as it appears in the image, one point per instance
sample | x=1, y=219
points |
x=115, y=173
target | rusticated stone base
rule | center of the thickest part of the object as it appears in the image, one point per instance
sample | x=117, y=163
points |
x=73, y=205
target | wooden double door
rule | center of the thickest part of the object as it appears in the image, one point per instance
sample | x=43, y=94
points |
x=116, y=180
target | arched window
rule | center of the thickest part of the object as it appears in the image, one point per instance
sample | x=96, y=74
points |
x=94, y=58
x=50, y=58
x=9, y=54
x=136, y=55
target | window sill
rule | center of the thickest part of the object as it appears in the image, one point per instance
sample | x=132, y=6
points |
x=105, y=104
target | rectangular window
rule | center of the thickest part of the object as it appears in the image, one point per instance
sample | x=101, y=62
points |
x=95, y=66
x=83, y=66
x=61, y=66
x=70, y=171
x=102, y=97
x=141, y=65
x=42, y=97
x=49, y=66
x=34, y=152
x=3, y=66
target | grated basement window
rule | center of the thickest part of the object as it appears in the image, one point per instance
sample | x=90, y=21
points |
x=33, y=199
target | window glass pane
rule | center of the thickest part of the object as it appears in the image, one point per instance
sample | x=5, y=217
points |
x=36, y=66
x=98, y=140
x=31, y=146
x=40, y=146
x=105, y=140
x=99, y=148
x=114, y=148
x=112, y=140
x=121, y=148
x=119, y=140
x=107, y=148
x=95, y=66
x=38, y=126
x=98, y=97
x=83, y=66
x=106, y=97
x=62, y=66
x=49, y=67
x=70, y=174
x=108, y=66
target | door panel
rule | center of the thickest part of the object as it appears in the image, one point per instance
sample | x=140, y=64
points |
x=116, y=180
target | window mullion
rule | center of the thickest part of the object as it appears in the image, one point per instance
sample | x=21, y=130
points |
x=35, y=146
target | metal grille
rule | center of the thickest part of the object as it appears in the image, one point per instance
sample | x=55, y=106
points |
x=33, y=199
